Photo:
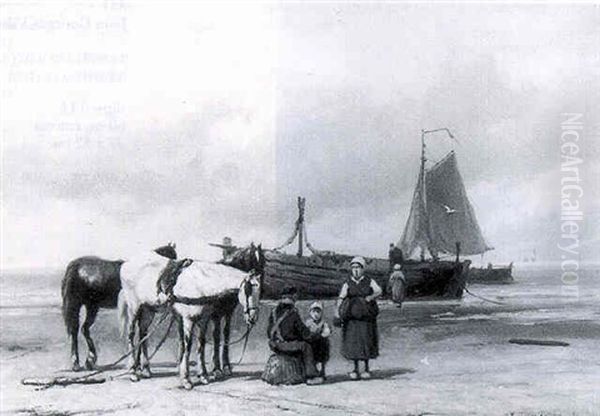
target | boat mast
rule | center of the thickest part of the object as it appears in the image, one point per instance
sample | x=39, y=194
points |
x=300, y=224
x=422, y=181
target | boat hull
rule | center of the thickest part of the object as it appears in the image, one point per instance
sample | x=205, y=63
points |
x=491, y=276
x=322, y=276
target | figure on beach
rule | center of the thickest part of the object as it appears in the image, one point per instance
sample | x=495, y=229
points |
x=357, y=309
x=321, y=332
x=289, y=336
x=397, y=285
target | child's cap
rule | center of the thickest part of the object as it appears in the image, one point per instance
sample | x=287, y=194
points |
x=316, y=305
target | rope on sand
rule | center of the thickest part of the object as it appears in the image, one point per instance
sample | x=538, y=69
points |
x=44, y=383
x=482, y=298
x=550, y=343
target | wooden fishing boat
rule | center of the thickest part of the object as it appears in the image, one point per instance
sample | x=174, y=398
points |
x=491, y=275
x=320, y=276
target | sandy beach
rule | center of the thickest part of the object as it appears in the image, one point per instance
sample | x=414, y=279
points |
x=437, y=358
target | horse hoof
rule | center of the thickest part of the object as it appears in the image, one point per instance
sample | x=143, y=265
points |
x=203, y=380
x=215, y=375
x=90, y=364
x=187, y=384
x=76, y=367
x=146, y=373
x=134, y=377
x=227, y=371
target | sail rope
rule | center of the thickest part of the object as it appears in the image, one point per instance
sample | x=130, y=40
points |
x=310, y=247
x=289, y=240
x=299, y=230
x=483, y=298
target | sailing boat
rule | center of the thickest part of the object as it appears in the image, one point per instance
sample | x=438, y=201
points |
x=442, y=220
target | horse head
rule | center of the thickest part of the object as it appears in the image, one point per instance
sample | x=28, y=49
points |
x=169, y=274
x=249, y=297
x=167, y=251
x=251, y=258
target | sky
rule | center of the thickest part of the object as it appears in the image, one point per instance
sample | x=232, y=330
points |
x=125, y=125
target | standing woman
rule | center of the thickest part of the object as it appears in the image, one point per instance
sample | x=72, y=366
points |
x=357, y=309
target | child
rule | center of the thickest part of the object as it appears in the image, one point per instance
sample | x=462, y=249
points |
x=320, y=332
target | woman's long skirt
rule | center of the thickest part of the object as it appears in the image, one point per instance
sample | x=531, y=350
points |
x=360, y=340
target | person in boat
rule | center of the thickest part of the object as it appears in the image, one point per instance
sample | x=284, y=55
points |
x=288, y=334
x=397, y=285
x=357, y=309
x=228, y=250
x=321, y=332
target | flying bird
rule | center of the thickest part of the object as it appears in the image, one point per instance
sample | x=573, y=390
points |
x=448, y=209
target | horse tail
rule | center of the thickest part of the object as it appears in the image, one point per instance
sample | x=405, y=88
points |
x=70, y=305
x=123, y=313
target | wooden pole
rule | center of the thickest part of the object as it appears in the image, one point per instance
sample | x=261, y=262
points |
x=300, y=225
x=458, y=251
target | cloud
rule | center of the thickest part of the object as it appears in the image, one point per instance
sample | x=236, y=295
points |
x=220, y=121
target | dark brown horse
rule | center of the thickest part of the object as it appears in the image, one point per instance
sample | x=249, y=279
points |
x=245, y=259
x=94, y=283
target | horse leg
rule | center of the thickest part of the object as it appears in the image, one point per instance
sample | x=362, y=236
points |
x=226, y=336
x=140, y=319
x=146, y=318
x=202, y=327
x=72, y=322
x=217, y=372
x=180, y=335
x=90, y=317
x=134, y=360
x=184, y=370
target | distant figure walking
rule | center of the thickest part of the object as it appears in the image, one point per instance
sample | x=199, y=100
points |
x=289, y=336
x=357, y=309
x=397, y=285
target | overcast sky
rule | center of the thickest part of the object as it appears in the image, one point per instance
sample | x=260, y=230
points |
x=126, y=126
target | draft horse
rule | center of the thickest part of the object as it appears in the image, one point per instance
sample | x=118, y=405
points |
x=248, y=259
x=94, y=283
x=198, y=287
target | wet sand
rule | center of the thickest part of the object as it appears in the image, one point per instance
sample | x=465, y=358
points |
x=446, y=358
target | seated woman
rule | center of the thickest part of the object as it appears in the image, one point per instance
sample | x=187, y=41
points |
x=288, y=334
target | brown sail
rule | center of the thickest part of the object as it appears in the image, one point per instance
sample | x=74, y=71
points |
x=416, y=230
x=451, y=216
x=441, y=214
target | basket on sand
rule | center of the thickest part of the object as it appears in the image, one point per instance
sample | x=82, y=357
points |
x=284, y=369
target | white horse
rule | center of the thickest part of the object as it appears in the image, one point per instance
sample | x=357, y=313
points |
x=197, y=285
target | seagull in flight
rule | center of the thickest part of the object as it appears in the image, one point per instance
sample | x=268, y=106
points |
x=448, y=209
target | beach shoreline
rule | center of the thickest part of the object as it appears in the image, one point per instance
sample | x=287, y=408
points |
x=436, y=358
x=447, y=358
